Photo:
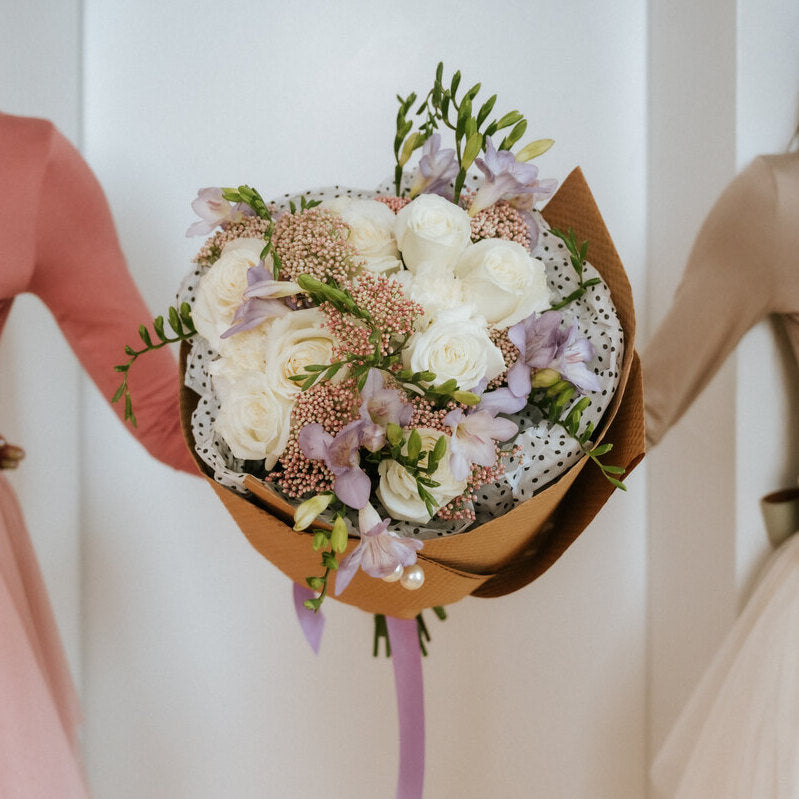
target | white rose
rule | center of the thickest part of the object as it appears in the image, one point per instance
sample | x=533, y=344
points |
x=397, y=488
x=371, y=225
x=503, y=281
x=434, y=287
x=455, y=345
x=220, y=288
x=238, y=354
x=431, y=228
x=293, y=342
x=254, y=420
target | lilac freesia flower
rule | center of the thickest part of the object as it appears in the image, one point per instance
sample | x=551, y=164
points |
x=213, y=209
x=437, y=168
x=381, y=406
x=544, y=344
x=573, y=354
x=379, y=551
x=508, y=179
x=537, y=338
x=260, y=301
x=340, y=454
x=473, y=437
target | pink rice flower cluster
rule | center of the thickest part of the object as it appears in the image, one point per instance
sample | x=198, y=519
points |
x=460, y=508
x=251, y=227
x=332, y=405
x=510, y=354
x=314, y=242
x=394, y=203
x=425, y=414
x=392, y=313
x=501, y=221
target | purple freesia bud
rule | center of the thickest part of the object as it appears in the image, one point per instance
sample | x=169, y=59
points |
x=506, y=179
x=379, y=552
x=473, y=437
x=340, y=454
x=260, y=301
x=214, y=210
x=437, y=169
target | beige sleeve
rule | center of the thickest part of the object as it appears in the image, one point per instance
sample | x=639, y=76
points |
x=727, y=286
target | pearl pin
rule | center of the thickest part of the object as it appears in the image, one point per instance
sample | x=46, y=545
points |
x=395, y=575
x=413, y=577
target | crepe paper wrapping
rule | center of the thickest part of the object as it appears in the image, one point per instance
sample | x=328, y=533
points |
x=504, y=553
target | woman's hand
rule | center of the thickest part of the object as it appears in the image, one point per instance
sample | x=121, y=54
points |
x=10, y=456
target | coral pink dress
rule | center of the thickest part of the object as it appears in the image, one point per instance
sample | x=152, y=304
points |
x=57, y=241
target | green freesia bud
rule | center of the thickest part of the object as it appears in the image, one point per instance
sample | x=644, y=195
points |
x=306, y=512
x=534, y=149
x=411, y=143
x=394, y=434
x=544, y=378
x=473, y=146
x=338, y=537
x=466, y=397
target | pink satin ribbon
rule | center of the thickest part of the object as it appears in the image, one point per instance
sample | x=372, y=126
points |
x=406, y=657
x=312, y=623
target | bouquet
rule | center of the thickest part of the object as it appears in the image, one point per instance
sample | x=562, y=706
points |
x=395, y=392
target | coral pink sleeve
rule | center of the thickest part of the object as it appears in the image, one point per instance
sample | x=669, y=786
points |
x=728, y=285
x=81, y=275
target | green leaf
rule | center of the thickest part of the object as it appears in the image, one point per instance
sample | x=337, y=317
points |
x=414, y=446
x=611, y=469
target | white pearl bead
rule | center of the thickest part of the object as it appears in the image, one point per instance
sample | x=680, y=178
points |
x=413, y=577
x=395, y=575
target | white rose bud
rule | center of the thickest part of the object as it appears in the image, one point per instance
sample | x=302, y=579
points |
x=431, y=228
x=254, y=420
x=503, y=281
x=220, y=288
x=455, y=346
x=398, y=492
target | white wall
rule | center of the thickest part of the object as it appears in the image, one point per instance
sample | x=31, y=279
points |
x=196, y=682
x=40, y=383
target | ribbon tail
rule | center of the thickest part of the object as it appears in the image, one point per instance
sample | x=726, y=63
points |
x=311, y=622
x=407, y=659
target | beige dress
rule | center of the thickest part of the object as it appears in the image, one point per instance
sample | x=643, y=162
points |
x=738, y=736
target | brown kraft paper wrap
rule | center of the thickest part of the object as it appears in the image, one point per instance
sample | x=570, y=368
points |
x=507, y=553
